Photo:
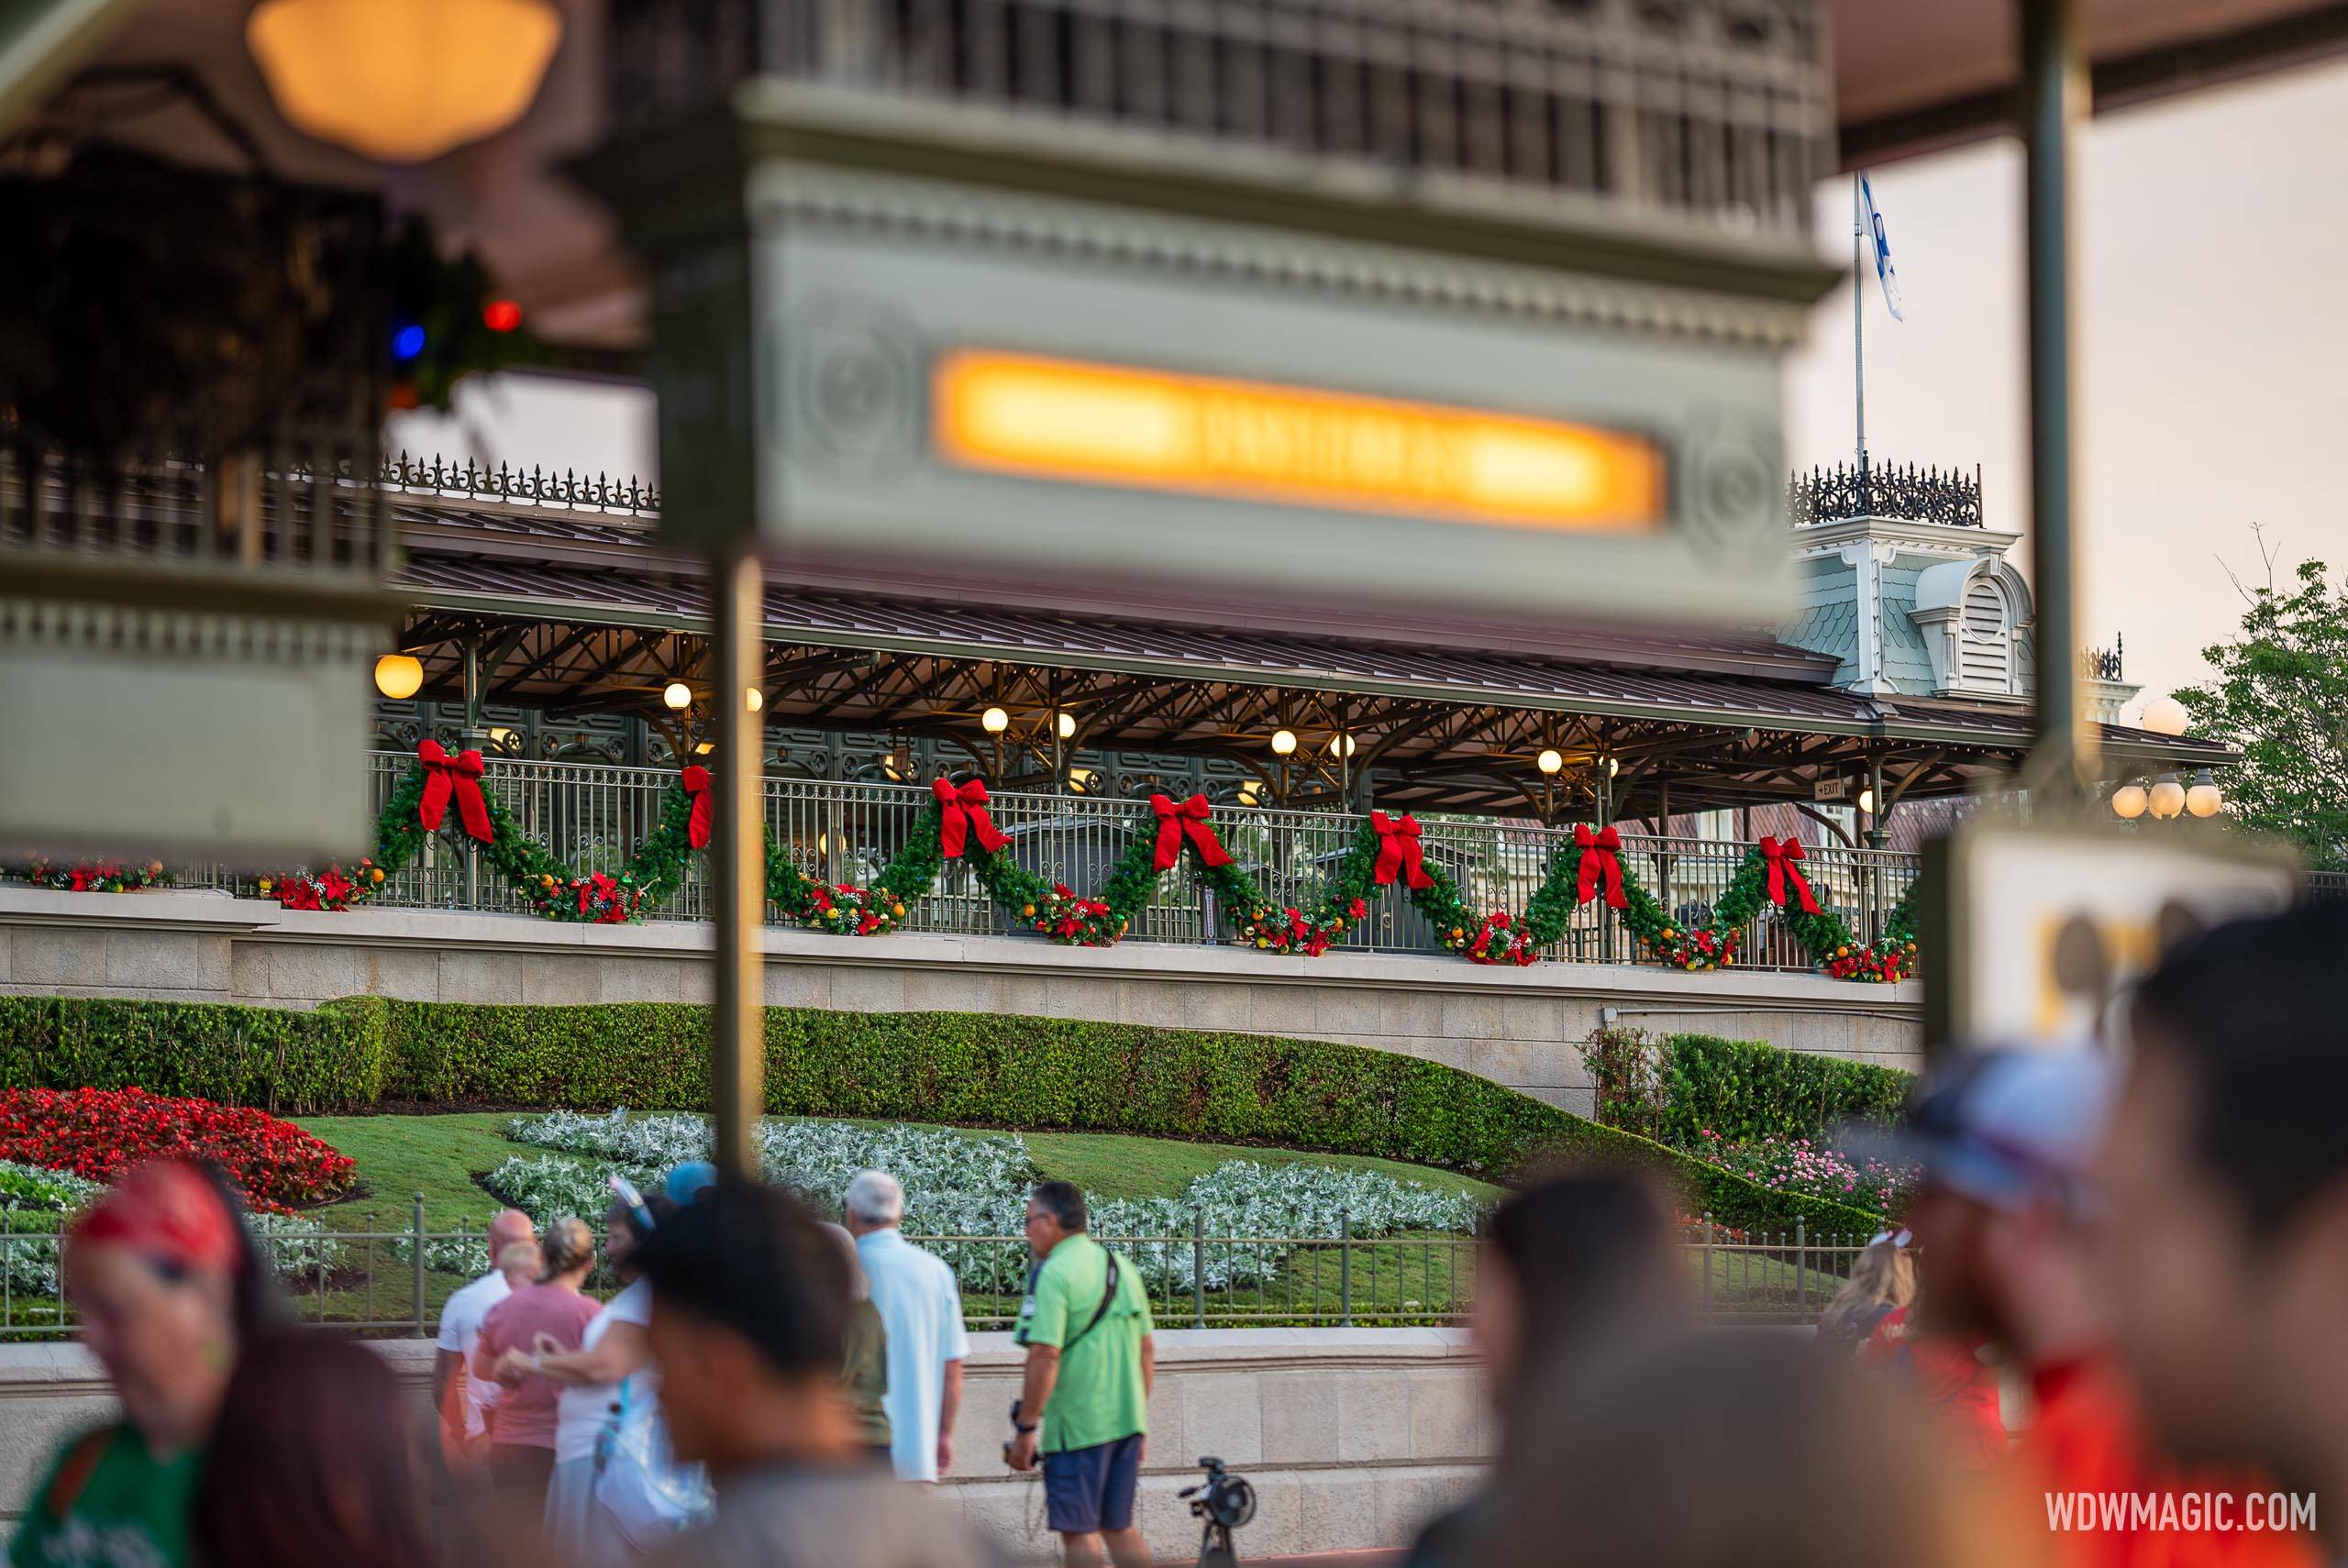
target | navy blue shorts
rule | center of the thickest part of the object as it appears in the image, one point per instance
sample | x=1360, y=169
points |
x=1089, y=1489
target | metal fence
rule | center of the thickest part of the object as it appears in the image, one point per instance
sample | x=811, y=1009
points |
x=595, y=816
x=391, y=1281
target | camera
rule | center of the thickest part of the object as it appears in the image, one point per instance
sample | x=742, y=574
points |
x=1014, y=1430
x=1222, y=1502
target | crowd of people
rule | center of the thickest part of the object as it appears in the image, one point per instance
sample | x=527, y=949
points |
x=2116, y=1287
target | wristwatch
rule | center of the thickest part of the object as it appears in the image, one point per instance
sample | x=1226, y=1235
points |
x=1023, y=1426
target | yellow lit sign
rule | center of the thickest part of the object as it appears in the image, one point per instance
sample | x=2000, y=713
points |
x=1062, y=419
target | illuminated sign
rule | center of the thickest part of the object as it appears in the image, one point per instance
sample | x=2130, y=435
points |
x=1062, y=419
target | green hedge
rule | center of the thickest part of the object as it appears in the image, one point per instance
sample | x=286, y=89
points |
x=1744, y=1090
x=274, y=1058
x=970, y=1069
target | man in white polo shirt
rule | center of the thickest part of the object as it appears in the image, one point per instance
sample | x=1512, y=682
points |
x=921, y=1308
x=462, y=1407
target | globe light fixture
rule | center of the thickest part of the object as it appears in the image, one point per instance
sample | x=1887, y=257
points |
x=754, y=698
x=1283, y=742
x=2168, y=799
x=1551, y=761
x=1066, y=724
x=2129, y=801
x=1340, y=746
x=2166, y=716
x=994, y=721
x=399, y=676
x=404, y=83
x=1613, y=765
x=676, y=696
x=1866, y=802
x=2204, y=798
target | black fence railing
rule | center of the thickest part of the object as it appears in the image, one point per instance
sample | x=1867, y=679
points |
x=1911, y=495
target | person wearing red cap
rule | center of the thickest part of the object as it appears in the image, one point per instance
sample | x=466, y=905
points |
x=168, y=1288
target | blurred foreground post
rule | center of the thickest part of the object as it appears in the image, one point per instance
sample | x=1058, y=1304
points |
x=2054, y=101
x=737, y=1041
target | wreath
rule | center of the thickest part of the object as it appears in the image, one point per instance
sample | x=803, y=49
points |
x=956, y=825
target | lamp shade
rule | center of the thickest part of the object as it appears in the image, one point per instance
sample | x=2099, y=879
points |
x=1551, y=760
x=994, y=721
x=399, y=676
x=1066, y=724
x=2129, y=801
x=403, y=81
x=2166, y=716
x=1283, y=742
x=676, y=696
x=2167, y=799
x=2204, y=798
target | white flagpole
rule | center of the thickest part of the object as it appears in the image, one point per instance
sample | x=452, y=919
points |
x=1858, y=320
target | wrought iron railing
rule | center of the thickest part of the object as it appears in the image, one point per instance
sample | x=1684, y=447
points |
x=392, y=1280
x=1910, y=493
x=1708, y=107
x=594, y=816
x=2104, y=664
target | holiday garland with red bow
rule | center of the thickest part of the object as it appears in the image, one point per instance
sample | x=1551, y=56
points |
x=957, y=825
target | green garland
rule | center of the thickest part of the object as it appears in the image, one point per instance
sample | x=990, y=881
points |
x=1065, y=916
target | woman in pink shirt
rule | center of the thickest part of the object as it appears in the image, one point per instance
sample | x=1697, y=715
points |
x=550, y=1314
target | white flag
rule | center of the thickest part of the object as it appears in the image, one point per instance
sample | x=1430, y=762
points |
x=1882, y=243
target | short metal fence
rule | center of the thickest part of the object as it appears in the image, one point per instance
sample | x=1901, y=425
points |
x=391, y=1281
x=595, y=816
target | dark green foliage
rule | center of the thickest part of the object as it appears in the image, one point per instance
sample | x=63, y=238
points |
x=969, y=1068
x=1744, y=1090
x=279, y=1060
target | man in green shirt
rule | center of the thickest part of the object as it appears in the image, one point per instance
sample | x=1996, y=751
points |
x=1084, y=1406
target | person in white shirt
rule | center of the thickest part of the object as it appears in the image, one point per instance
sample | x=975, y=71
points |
x=462, y=1399
x=921, y=1306
x=612, y=1365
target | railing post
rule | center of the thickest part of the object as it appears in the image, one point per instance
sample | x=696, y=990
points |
x=1802, y=1269
x=416, y=1262
x=1708, y=1259
x=1345, y=1269
x=1199, y=1267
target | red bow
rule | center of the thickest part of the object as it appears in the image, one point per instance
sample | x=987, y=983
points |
x=963, y=812
x=1601, y=856
x=1174, y=823
x=1398, y=851
x=696, y=783
x=1783, y=858
x=461, y=775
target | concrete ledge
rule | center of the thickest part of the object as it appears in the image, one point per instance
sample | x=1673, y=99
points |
x=1518, y=1027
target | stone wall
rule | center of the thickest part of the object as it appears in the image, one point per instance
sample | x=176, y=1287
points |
x=1351, y=1436
x=1520, y=1027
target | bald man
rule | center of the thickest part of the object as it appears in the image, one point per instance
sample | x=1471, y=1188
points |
x=464, y=1402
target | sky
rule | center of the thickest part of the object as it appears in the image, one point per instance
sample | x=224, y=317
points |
x=2210, y=237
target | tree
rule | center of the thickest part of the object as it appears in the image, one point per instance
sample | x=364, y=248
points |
x=2279, y=695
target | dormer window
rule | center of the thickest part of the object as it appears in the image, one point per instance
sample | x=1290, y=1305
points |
x=1973, y=615
x=1986, y=642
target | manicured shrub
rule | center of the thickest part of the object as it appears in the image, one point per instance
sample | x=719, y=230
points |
x=97, y=1134
x=274, y=1058
x=1745, y=1091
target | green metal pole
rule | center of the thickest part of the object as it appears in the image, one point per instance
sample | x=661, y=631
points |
x=2054, y=106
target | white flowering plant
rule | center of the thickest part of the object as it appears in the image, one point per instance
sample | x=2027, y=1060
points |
x=961, y=1185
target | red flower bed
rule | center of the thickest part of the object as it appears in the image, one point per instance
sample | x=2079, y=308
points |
x=101, y=1133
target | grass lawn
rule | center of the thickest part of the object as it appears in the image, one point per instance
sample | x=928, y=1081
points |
x=440, y=1157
